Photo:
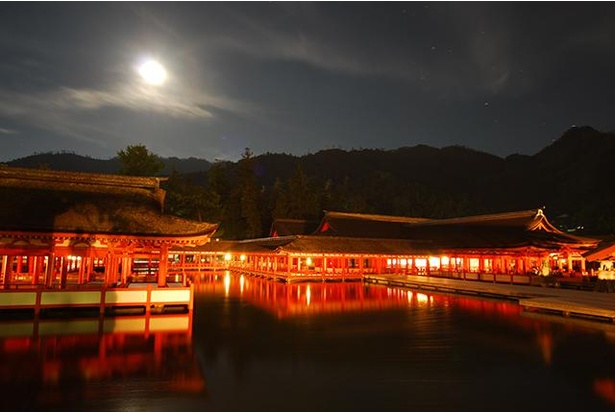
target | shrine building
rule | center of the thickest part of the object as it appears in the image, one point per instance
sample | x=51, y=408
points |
x=503, y=247
x=68, y=230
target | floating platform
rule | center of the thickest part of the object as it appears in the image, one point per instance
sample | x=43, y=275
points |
x=549, y=300
x=595, y=306
x=145, y=300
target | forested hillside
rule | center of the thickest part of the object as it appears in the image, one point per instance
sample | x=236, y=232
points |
x=571, y=178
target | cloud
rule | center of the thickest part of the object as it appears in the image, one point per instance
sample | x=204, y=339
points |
x=8, y=131
x=425, y=52
x=127, y=97
x=66, y=105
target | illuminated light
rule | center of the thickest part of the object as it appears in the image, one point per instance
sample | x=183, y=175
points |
x=434, y=262
x=474, y=264
x=420, y=263
x=241, y=283
x=422, y=298
x=242, y=258
x=227, y=283
x=403, y=262
x=409, y=297
x=388, y=262
x=227, y=257
x=153, y=73
x=308, y=295
x=445, y=260
x=308, y=261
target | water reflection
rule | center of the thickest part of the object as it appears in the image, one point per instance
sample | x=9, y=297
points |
x=457, y=341
x=47, y=364
x=256, y=345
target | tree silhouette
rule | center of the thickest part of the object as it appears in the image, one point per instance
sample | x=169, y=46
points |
x=249, y=195
x=137, y=160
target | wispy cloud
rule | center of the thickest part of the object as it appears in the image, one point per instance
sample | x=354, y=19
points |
x=74, y=111
x=126, y=97
x=8, y=131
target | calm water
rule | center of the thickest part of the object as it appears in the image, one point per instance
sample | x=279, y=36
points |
x=253, y=345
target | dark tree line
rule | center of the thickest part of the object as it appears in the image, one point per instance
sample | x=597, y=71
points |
x=246, y=202
x=571, y=177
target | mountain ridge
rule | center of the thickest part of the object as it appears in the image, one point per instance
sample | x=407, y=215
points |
x=570, y=177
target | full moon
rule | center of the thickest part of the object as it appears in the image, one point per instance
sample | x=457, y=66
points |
x=153, y=72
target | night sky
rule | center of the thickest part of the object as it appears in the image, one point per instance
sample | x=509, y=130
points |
x=301, y=77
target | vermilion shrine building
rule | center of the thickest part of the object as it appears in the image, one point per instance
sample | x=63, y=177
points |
x=66, y=229
x=60, y=229
x=505, y=247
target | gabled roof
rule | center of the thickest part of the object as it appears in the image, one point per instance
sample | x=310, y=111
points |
x=499, y=230
x=604, y=251
x=510, y=229
x=285, y=227
x=309, y=244
x=353, y=245
x=69, y=202
x=364, y=225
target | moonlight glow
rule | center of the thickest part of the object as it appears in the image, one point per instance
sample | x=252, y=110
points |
x=153, y=72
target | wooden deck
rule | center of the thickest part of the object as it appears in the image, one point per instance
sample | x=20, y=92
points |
x=564, y=302
x=148, y=298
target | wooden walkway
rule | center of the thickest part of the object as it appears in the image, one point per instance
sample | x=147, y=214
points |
x=149, y=298
x=564, y=302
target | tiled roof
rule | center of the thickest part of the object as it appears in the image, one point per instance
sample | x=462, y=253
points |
x=285, y=227
x=500, y=230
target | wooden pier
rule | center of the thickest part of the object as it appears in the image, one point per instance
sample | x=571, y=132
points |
x=550, y=300
x=148, y=299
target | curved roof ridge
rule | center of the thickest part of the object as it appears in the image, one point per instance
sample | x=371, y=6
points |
x=531, y=215
x=378, y=217
x=25, y=174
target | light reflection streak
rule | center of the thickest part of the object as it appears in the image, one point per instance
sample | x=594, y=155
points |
x=285, y=301
x=227, y=283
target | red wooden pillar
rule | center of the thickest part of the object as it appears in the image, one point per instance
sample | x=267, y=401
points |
x=3, y=272
x=7, y=268
x=465, y=264
x=361, y=262
x=50, y=271
x=19, y=263
x=163, y=266
x=64, y=272
x=80, y=275
x=36, y=265
x=31, y=265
